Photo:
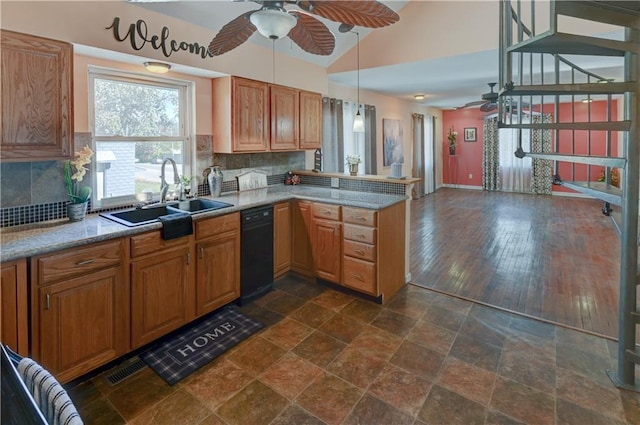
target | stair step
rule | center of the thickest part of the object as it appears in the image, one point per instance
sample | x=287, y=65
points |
x=617, y=12
x=569, y=89
x=606, y=161
x=571, y=44
x=633, y=355
x=598, y=190
x=593, y=126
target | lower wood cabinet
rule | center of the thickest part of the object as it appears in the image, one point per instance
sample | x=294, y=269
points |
x=14, y=323
x=327, y=248
x=162, y=291
x=301, y=256
x=218, y=262
x=81, y=320
x=282, y=226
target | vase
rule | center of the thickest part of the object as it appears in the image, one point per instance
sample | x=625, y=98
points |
x=353, y=169
x=452, y=150
x=77, y=212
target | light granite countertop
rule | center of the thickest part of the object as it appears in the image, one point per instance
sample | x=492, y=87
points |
x=35, y=239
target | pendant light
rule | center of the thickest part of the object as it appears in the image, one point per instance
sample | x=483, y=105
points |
x=358, y=122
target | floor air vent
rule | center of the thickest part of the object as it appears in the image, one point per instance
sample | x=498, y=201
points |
x=125, y=371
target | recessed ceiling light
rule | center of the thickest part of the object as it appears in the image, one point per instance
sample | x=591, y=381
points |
x=418, y=96
x=157, y=67
x=587, y=100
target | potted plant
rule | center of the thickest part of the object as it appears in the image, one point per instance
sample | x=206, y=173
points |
x=186, y=184
x=352, y=162
x=453, y=134
x=74, y=171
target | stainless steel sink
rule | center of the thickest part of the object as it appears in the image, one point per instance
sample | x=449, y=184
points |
x=146, y=215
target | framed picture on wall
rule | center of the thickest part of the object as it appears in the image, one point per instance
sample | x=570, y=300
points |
x=470, y=134
x=392, y=142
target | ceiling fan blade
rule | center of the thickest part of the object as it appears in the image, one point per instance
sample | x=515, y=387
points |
x=311, y=35
x=232, y=35
x=475, y=103
x=363, y=13
x=488, y=107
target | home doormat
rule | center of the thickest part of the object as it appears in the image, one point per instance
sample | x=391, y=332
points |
x=182, y=354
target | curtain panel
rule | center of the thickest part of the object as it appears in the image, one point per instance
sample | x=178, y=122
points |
x=370, y=151
x=332, y=135
x=542, y=169
x=491, y=155
x=418, y=156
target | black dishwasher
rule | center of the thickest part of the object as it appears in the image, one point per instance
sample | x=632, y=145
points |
x=256, y=258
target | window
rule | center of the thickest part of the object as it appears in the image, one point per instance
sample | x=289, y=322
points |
x=137, y=122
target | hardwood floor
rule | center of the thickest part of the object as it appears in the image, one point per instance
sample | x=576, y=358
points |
x=555, y=258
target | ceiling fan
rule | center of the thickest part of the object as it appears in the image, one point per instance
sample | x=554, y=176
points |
x=488, y=103
x=273, y=21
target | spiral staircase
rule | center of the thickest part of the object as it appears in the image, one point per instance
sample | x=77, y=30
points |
x=541, y=69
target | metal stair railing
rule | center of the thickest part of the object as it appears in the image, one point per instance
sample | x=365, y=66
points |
x=529, y=85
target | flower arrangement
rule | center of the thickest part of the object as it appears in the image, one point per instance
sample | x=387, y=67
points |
x=77, y=194
x=353, y=159
x=453, y=134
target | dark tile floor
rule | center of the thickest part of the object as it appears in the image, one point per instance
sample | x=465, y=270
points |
x=423, y=358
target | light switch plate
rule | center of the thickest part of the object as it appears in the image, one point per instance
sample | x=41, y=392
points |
x=335, y=182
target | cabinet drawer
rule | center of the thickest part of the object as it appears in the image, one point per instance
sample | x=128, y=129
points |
x=361, y=250
x=78, y=262
x=360, y=216
x=360, y=275
x=326, y=211
x=152, y=242
x=217, y=225
x=360, y=233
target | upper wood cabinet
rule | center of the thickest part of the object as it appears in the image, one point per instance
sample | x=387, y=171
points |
x=37, y=98
x=284, y=118
x=310, y=120
x=253, y=116
x=240, y=115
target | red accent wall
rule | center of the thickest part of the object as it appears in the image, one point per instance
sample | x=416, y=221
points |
x=468, y=158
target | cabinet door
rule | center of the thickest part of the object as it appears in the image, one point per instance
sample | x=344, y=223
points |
x=301, y=257
x=281, y=238
x=160, y=295
x=218, y=272
x=13, y=307
x=250, y=115
x=37, y=90
x=284, y=118
x=82, y=323
x=310, y=120
x=327, y=249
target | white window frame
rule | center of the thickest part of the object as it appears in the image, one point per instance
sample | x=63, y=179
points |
x=187, y=124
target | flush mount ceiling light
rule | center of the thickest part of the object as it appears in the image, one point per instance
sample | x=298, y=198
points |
x=273, y=23
x=587, y=100
x=157, y=67
x=418, y=96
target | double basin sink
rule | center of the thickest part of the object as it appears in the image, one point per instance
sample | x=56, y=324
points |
x=150, y=214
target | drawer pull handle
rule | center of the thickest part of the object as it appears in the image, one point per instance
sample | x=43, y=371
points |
x=201, y=252
x=360, y=235
x=188, y=258
x=47, y=301
x=325, y=212
x=84, y=262
x=359, y=277
x=359, y=251
x=359, y=217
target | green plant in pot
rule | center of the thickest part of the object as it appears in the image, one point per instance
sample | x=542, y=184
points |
x=74, y=172
x=452, y=136
x=352, y=162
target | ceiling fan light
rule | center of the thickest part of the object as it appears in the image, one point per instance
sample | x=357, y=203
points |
x=358, y=123
x=273, y=23
x=418, y=96
x=157, y=67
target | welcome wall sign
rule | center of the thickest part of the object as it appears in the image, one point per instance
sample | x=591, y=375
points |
x=138, y=36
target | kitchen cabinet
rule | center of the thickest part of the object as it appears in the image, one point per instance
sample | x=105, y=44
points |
x=301, y=256
x=240, y=115
x=282, y=227
x=254, y=116
x=80, y=309
x=326, y=241
x=284, y=112
x=37, y=96
x=14, y=324
x=218, y=262
x=310, y=120
x=162, y=290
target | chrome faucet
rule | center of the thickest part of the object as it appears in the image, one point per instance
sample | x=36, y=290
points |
x=164, y=186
